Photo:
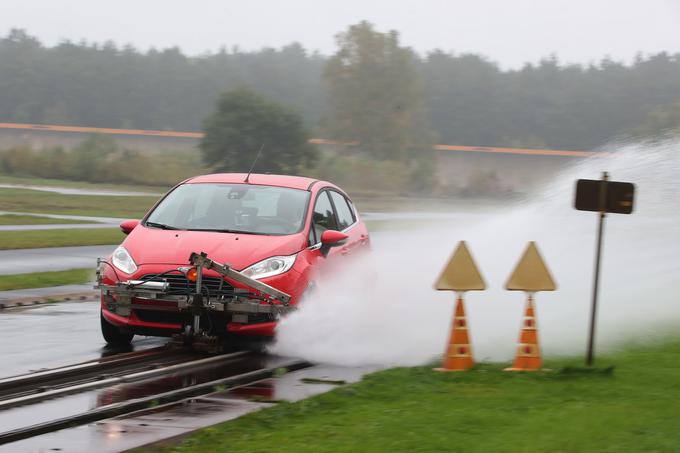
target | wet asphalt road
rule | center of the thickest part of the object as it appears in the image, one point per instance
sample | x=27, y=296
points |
x=51, y=259
x=56, y=226
x=77, y=191
x=66, y=333
x=75, y=218
x=102, y=222
x=52, y=335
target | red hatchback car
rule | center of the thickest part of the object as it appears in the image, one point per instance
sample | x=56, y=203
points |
x=225, y=253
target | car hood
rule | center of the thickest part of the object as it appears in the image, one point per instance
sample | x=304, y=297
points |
x=155, y=246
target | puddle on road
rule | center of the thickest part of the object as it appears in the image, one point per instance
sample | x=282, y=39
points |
x=53, y=335
x=152, y=424
x=124, y=392
x=79, y=403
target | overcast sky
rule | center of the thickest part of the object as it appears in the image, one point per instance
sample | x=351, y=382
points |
x=510, y=32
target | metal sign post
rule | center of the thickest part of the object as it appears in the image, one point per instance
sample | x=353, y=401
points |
x=596, y=280
x=602, y=196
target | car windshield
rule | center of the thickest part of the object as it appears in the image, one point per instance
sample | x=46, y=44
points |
x=240, y=208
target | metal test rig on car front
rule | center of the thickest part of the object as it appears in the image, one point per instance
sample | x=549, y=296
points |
x=197, y=301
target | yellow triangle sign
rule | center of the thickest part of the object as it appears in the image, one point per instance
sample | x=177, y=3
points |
x=461, y=274
x=531, y=273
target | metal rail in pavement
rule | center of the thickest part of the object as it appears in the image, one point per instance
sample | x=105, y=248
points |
x=22, y=396
x=82, y=369
x=133, y=405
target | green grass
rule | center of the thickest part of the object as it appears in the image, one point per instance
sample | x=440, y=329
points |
x=46, y=279
x=4, y=179
x=31, y=239
x=416, y=409
x=24, y=200
x=12, y=219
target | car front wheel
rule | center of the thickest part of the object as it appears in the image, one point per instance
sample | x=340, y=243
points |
x=112, y=334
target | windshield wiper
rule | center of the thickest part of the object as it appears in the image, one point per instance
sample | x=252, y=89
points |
x=162, y=226
x=217, y=230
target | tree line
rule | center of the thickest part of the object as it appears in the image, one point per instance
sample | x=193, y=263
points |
x=439, y=96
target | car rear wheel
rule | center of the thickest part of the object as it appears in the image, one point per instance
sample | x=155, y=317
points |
x=112, y=334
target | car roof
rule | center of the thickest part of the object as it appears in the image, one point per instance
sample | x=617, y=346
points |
x=293, y=182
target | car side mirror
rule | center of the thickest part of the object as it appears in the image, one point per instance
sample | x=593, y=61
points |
x=330, y=239
x=126, y=226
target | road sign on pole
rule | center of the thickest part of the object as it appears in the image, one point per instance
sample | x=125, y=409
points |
x=602, y=196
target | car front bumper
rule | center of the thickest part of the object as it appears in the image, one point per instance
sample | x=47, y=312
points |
x=151, y=306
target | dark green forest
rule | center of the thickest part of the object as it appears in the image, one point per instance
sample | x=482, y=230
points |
x=466, y=99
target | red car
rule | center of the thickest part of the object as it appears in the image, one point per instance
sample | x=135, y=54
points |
x=225, y=254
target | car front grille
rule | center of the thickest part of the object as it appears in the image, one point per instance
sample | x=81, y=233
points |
x=179, y=284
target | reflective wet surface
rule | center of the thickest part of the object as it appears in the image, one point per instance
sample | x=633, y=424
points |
x=60, y=334
x=151, y=425
x=120, y=434
x=52, y=259
x=56, y=226
x=78, y=191
x=53, y=335
x=82, y=402
x=298, y=385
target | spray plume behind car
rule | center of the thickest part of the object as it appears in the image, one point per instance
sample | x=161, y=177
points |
x=397, y=319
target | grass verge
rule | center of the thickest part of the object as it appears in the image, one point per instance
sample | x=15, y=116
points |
x=486, y=409
x=13, y=219
x=25, y=200
x=46, y=279
x=31, y=239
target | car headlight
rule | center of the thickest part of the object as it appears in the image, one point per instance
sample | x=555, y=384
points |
x=123, y=261
x=271, y=266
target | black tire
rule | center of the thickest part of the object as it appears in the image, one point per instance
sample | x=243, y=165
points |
x=113, y=335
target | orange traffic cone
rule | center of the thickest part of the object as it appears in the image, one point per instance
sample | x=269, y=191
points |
x=459, y=353
x=528, y=353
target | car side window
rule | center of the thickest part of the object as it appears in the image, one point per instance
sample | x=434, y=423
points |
x=323, y=217
x=345, y=215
